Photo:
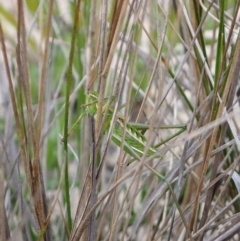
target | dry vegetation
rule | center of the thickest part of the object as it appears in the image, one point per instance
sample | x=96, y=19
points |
x=170, y=66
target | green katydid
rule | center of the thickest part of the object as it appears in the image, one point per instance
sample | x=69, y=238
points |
x=135, y=142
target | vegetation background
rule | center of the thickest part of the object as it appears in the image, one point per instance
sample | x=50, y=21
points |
x=172, y=65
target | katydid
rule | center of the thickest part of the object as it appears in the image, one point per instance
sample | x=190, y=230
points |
x=135, y=142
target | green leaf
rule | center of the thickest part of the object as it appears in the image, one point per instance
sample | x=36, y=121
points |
x=8, y=16
x=32, y=5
